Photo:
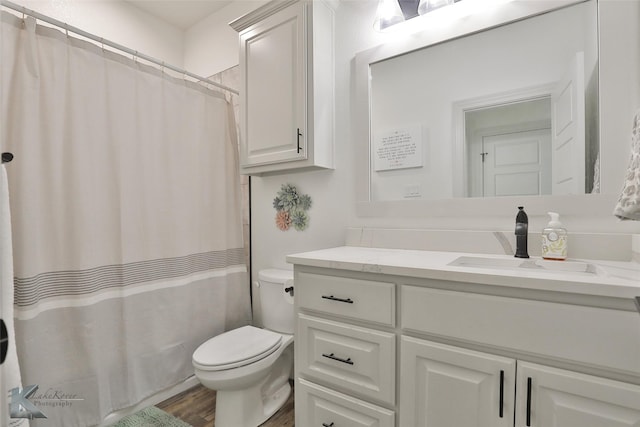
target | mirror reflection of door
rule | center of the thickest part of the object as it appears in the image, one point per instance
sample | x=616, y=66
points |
x=568, y=122
x=516, y=163
x=509, y=149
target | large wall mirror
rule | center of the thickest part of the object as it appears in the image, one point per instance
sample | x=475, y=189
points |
x=491, y=109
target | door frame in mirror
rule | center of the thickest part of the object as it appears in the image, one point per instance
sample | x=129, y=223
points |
x=460, y=169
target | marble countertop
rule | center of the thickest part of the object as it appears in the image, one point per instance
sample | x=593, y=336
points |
x=589, y=277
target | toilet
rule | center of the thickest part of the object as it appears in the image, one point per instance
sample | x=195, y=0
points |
x=249, y=367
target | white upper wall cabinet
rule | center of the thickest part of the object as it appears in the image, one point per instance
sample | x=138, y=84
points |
x=287, y=92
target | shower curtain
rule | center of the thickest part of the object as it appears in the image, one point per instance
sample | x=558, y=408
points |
x=126, y=222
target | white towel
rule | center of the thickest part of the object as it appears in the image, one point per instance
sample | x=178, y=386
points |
x=628, y=206
x=10, y=370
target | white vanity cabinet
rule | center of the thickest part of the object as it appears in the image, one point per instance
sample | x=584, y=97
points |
x=443, y=386
x=451, y=386
x=552, y=397
x=447, y=385
x=345, y=351
x=286, y=97
x=320, y=406
x=406, y=348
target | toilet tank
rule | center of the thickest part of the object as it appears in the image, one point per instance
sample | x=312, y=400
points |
x=276, y=305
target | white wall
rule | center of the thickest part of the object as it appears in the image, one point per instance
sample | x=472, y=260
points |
x=619, y=83
x=119, y=22
x=212, y=45
x=333, y=192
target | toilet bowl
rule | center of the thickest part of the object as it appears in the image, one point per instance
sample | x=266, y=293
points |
x=249, y=367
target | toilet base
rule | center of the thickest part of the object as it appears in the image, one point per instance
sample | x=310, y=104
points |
x=235, y=408
x=248, y=399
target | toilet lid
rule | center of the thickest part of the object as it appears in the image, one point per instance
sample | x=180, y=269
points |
x=235, y=348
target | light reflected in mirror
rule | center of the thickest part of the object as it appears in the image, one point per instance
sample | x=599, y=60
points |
x=504, y=112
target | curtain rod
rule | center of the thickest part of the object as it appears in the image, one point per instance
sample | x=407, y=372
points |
x=135, y=53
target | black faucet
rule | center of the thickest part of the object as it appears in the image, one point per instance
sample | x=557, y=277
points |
x=522, y=230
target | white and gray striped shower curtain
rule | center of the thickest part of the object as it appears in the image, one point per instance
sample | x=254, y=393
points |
x=126, y=222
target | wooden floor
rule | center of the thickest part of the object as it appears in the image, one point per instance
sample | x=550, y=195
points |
x=196, y=406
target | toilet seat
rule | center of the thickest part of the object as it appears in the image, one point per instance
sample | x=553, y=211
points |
x=235, y=348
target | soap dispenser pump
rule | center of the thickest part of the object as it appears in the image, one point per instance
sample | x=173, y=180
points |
x=522, y=233
x=554, y=239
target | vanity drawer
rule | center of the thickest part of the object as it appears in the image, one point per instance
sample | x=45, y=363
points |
x=355, y=359
x=319, y=406
x=557, y=330
x=351, y=298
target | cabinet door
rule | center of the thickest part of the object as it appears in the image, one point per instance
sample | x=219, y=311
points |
x=550, y=397
x=445, y=386
x=273, y=97
x=319, y=406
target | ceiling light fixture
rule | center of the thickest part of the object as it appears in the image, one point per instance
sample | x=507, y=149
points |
x=388, y=14
x=426, y=6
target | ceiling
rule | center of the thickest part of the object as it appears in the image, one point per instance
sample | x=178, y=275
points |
x=180, y=13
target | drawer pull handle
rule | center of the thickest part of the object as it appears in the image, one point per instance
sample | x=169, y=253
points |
x=331, y=356
x=529, y=402
x=327, y=425
x=501, y=408
x=332, y=298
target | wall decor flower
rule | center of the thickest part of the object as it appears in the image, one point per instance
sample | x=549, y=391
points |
x=291, y=207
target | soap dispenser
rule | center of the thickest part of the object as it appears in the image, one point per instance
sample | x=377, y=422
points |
x=554, y=239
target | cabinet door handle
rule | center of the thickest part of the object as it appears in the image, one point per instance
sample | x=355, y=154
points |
x=331, y=356
x=332, y=298
x=501, y=408
x=299, y=135
x=529, y=402
x=327, y=425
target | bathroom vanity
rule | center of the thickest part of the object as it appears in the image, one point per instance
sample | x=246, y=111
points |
x=418, y=338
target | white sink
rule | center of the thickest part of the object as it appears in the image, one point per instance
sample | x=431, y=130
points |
x=518, y=264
